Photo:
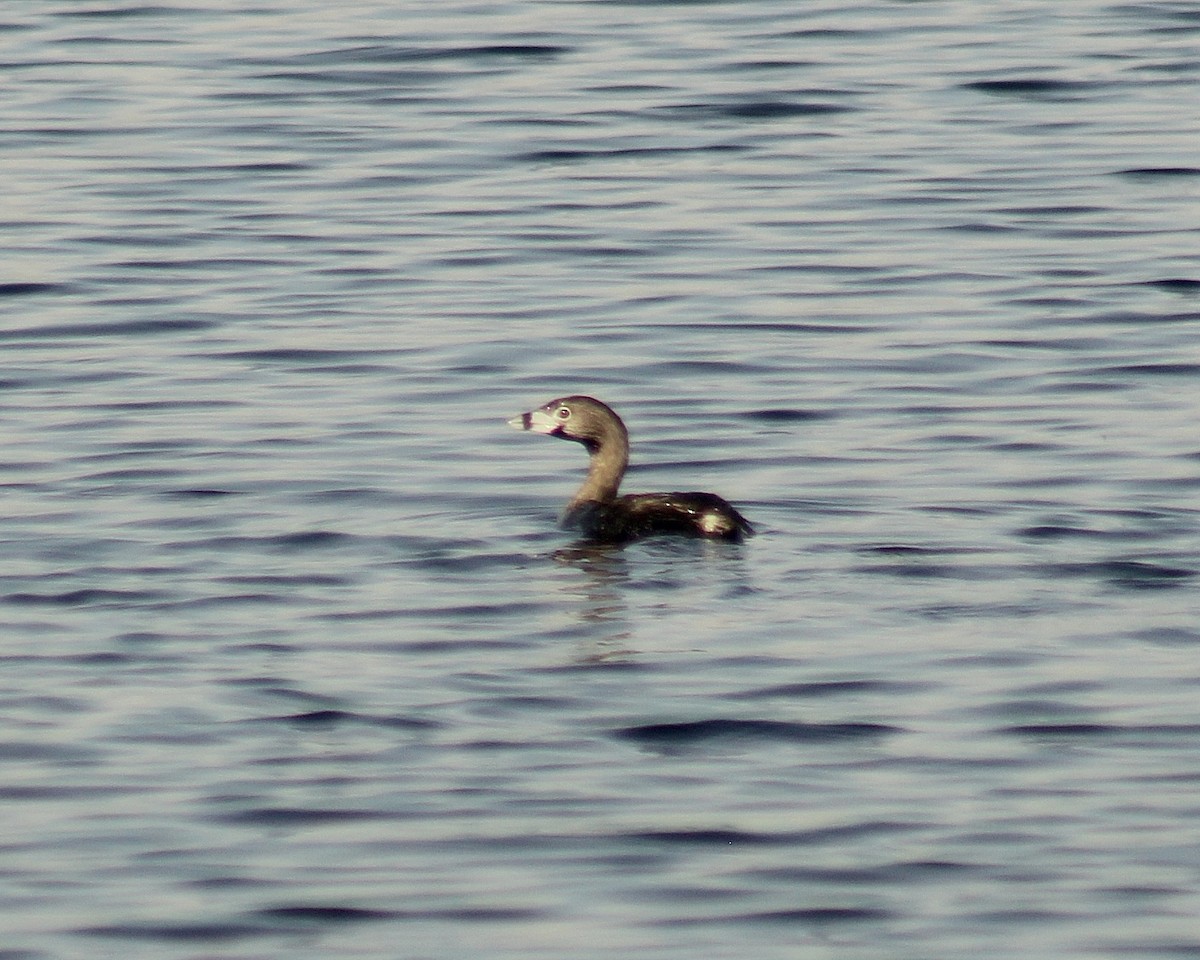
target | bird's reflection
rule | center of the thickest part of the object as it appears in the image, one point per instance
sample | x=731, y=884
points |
x=609, y=575
x=600, y=595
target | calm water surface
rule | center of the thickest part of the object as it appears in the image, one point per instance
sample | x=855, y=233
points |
x=296, y=663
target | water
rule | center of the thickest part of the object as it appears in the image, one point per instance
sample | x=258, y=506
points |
x=295, y=662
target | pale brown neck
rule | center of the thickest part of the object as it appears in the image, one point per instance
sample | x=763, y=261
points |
x=609, y=458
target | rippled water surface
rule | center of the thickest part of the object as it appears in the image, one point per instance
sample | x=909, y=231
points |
x=295, y=661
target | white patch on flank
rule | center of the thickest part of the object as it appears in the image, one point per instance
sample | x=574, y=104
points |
x=712, y=522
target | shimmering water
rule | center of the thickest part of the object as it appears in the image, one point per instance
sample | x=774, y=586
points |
x=296, y=664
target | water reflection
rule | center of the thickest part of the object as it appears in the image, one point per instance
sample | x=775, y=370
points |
x=618, y=586
x=598, y=596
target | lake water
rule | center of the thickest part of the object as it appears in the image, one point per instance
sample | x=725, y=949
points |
x=295, y=662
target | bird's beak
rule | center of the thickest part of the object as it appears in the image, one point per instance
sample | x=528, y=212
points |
x=535, y=420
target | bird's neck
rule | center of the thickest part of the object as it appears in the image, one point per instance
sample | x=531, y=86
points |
x=609, y=458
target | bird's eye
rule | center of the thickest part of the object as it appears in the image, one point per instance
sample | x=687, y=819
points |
x=563, y=413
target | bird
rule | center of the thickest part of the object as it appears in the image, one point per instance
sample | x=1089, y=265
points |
x=596, y=510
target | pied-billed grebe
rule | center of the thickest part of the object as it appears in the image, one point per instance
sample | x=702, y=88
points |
x=596, y=509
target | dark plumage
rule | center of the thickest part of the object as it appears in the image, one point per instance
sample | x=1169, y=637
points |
x=596, y=510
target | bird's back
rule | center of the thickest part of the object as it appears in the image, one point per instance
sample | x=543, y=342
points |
x=647, y=514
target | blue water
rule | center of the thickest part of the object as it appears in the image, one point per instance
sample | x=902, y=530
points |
x=295, y=661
